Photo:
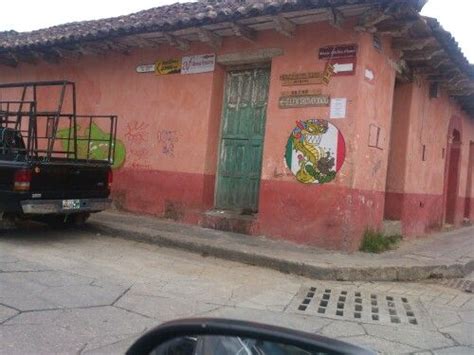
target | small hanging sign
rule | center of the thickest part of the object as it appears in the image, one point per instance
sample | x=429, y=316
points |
x=195, y=64
x=303, y=92
x=338, y=51
x=146, y=68
x=293, y=101
x=309, y=78
x=344, y=66
x=170, y=66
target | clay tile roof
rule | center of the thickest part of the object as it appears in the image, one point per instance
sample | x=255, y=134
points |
x=166, y=18
x=450, y=45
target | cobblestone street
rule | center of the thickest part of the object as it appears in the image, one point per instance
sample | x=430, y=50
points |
x=79, y=292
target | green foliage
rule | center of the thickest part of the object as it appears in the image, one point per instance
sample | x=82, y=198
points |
x=311, y=171
x=376, y=242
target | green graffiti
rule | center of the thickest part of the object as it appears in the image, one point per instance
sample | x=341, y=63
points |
x=98, y=144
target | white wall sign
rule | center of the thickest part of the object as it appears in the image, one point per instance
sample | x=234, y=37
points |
x=338, y=108
x=146, y=68
x=341, y=68
x=198, y=64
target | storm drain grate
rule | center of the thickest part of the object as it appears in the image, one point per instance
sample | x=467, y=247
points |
x=357, y=305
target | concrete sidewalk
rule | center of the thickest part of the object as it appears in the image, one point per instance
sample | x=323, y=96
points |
x=442, y=255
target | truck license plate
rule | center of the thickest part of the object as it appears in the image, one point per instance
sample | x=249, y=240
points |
x=71, y=204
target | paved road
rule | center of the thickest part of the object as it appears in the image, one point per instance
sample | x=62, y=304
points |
x=79, y=292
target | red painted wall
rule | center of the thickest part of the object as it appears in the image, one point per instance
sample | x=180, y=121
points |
x=417, y=189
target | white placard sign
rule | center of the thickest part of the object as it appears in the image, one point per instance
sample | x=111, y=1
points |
x=338, y=108
x=146, y=68
x=341, y=68
x=195, y=64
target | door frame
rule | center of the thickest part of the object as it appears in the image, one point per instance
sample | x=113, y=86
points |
x=227, y=69
x=468, y=207
x=455, y=125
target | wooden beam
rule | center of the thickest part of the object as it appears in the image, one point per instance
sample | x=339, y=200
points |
x=68, y=53
x=284, y=26
x=118, y=47
x=423, y=55
x=133, y=41
x=401, y=29
x=50, y=56
x=210, y=38
x=439, y=63
x=8, y=59
x=457, y=82
x=412, y=44
x=461, y=92
x=29, y=57
x=424, y=70
x=93, y=49
x=176, y=42
x=373, y=16
x=244, y=32
x=336, y=18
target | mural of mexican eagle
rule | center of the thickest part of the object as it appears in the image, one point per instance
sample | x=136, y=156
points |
x=315, y=151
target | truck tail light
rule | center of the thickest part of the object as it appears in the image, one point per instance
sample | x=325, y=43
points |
x=22, y=180
x=110, y=179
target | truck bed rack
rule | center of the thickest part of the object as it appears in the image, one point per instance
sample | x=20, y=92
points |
x=38, y=121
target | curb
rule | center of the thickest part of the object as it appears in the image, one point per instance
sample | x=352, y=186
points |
x=388, y=273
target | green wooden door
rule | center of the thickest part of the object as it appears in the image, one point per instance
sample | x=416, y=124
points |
x=243, y=128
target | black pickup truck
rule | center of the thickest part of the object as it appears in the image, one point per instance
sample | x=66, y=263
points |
x=55, y=165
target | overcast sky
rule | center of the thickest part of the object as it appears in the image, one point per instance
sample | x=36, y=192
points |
x=456, y=16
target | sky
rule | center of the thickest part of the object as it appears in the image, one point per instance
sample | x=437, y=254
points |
x=454, y=15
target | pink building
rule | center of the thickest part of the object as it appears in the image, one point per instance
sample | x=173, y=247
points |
x=310, y=121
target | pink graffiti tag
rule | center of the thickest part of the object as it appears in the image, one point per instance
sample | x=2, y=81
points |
x=167, y=139
x=136, y=131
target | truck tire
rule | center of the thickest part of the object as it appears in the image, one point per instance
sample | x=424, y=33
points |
x=7, y=221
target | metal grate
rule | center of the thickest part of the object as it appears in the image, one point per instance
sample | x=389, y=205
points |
x=358, y=305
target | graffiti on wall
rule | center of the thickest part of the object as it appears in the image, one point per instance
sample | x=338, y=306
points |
x=137, y=151
x=136, y=131
x=98, y=147
x=138, y=145
x=167, y=139
x=315, y=151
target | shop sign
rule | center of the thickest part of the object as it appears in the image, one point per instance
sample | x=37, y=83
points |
x=170, y=66
x=307, y=92
x=146, y=68
x=195, y=64
x=309, y=78
x=338, y=51
x=294, y=101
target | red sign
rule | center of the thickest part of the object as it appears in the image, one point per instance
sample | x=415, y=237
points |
x=339, y=51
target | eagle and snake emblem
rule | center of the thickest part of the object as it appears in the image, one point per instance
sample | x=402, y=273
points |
x=315, y=151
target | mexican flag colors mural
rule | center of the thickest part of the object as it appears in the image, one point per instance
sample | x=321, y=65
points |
x=315, y=151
